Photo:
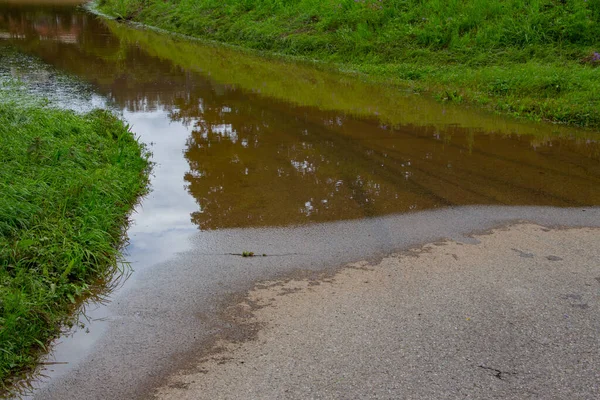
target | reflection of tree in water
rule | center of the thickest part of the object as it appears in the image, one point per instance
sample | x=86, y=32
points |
x=255, y=162
x=259, y=162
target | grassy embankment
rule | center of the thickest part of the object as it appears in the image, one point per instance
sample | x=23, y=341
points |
x=68, y=182
x=537, y=59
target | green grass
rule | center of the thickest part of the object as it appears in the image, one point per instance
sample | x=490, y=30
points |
x=527, y=58
x=68, y=182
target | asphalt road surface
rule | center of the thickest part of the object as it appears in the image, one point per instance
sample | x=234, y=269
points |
x=512, y=317
x=519, y=320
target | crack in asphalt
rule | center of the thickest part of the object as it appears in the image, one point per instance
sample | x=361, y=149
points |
x=497, y=373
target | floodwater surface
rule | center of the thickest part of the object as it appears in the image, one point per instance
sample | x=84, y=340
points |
x=271, y=145
x=249, y=148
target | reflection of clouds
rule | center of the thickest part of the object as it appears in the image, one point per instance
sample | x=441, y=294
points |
x=308, y=208
x=226, y=131
x=304, y=167
x=167, y=207
x=150, y=248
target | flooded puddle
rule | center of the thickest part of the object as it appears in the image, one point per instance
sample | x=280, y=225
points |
x=271, y=145
x=246, y=142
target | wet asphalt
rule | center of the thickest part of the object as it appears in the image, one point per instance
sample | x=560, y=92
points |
x=514, y=316
x=171, y=313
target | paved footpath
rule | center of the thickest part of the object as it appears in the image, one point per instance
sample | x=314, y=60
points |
x=513, y=315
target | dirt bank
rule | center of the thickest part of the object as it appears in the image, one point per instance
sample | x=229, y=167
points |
x=513, y=316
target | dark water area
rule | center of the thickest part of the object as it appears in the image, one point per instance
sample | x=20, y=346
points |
x=260, y=153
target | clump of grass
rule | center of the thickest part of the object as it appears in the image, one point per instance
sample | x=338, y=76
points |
x=480, y=51
x=68, y=182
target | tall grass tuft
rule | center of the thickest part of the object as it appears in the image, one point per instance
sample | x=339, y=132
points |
x=68, y=182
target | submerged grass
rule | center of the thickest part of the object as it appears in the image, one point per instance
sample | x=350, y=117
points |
x=68, y=182
x=537, y=58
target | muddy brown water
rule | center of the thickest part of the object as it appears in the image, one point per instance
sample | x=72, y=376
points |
x=264, y=158
x=247, y=142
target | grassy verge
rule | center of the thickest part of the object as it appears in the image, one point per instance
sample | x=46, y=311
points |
x=68, y=182
x=536, y=59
